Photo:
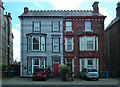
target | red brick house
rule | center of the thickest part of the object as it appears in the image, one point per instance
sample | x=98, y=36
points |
x=83, y=39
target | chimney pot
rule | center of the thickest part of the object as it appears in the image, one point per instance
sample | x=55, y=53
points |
x=118, y=9
x=26, y=10
x=95, y=7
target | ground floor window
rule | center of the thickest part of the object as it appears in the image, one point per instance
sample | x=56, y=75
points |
x=38, y=63
x=89, y=63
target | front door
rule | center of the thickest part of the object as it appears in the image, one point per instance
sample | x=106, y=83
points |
x=56, y=67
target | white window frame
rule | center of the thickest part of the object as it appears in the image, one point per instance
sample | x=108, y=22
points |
x=95, y=63
x=42, y=43
x=85, y=43
x=29, y=44
x=54, y=26
x=67, y=45
x=70, y=26
x=36, y=26
x=56, y=45
x=32, y=43
x=39, y=63
x=87, y=25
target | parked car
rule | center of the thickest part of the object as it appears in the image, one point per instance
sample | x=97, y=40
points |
x=40, y=73
x=89, y=74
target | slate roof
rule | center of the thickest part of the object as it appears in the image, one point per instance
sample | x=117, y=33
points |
x=60, y=13
x=113, y=22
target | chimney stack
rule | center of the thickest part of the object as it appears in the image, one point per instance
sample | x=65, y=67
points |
x=118, y=9
x=95, y=7
x=26, y=10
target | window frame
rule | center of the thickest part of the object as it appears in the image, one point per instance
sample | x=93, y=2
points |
x=34, y=26
x=67, y=45
x=53, y=27
x=68, y=26
x=95, y=43
x=42, y=43
x=56, y=44
x=86, y=26
x=39, y=43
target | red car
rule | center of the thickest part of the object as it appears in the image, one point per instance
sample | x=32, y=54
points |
x=40, y=73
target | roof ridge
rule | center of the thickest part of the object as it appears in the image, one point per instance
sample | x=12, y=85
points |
x=60, y=10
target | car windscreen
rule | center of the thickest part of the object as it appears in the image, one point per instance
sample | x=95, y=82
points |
x=39, y=70
x=92, y=70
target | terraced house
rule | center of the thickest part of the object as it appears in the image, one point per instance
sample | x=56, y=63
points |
x=41, y=41
x=53, y=37
x=6, y=37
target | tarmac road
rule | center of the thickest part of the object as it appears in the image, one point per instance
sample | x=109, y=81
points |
x=56, y=82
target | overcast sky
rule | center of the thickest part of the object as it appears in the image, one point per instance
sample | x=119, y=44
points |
x=16, y=8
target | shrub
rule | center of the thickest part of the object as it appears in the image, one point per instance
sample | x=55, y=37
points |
x=63, y=71
x=3, y=66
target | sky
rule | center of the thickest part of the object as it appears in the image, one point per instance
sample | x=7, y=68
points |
x=16, y=8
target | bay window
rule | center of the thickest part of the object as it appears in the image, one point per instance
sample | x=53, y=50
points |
x=88, y=43
x=89, y=63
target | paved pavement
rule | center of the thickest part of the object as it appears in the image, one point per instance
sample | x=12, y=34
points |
x=24, y=82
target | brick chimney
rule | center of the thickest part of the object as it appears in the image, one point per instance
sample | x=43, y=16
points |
x=26, y=10
x=118, y=9
x=95, y=7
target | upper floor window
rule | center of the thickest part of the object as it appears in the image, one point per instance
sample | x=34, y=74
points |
x=68, y=26
x=87, y=25
x=68, y=44
x=56, y=25
x=36, y=26
x=88, y=43
x=42, y=43
x=36, y=41
x=56, y=43
x=29, y=43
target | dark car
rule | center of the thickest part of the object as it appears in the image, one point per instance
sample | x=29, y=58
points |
x=40, y=73
x=89, y=74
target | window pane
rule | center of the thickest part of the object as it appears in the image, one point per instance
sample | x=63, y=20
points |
x=69, y=47
x=90, y=43
x=36, y=26
x=42, y=43
x=90, y=62
x=56, y=45
x=35, y=43
x=68, y=26
x=56, y=26
x=69, y=44
x=35, y=39
x=29, y=43
x=82, y=43
x=36, y=61
x=42, y=63
x=35, y=46
x=87, y=26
